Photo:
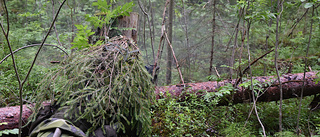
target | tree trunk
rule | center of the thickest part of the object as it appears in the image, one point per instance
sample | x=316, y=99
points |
x=129, y=22
x=212, y=38
x=187, y=67
x=169, y=52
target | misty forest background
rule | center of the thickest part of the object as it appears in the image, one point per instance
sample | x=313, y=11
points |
x=212, y=40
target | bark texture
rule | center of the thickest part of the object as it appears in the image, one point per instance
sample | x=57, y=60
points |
x=169, y=51
x=130, y=22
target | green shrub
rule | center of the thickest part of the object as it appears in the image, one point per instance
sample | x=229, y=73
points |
x=194, y=114
x=9, y=86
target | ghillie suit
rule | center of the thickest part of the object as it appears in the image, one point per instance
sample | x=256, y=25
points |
x=105, y=86
x=150, y=69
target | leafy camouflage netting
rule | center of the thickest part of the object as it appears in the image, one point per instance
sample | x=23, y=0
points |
x=107, y=85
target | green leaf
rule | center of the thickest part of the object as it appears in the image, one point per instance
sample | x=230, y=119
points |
x=90, y=33
x=308, y=5
x=79, y=26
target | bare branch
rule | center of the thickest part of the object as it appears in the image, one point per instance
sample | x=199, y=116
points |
x=33, y=45
x=254, y=98
x=305, y=69
x=248, y=67
x=279, y=10
x=161, y=38
x=297, y=22
x=35, y=58
x=45, y=38
x=174, y=56
x=6, y=34
x=55, y=28
x=151, y=36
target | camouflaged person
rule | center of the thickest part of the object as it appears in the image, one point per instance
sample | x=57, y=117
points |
x=52, y=122
x=86, y=78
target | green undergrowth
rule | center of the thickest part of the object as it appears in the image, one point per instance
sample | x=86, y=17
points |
x=9, y=85
x=196, y=116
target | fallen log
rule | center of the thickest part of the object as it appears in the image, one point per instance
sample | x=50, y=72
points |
x=291, y=84
x=9, y=116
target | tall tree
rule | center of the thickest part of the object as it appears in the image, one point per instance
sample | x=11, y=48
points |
x=169, y=52
x=184, y=24
x=213, y=32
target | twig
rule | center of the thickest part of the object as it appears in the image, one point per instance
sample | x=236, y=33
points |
x=152, y=23
x=72, y=23
x=6, y=34
x=45, y=38
x=174, y=56
x=34, y=60
x=235, y=42
x=144, y=38
x=296, y=23
x=7, y=15
x=251, y=79
x=33, y=46
x=217, y=72
x=247, y=68
x=161, y=38
x=147, y=15
x=235, y=30
x=305, y=69
x=279, y=10
x=55, y=28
